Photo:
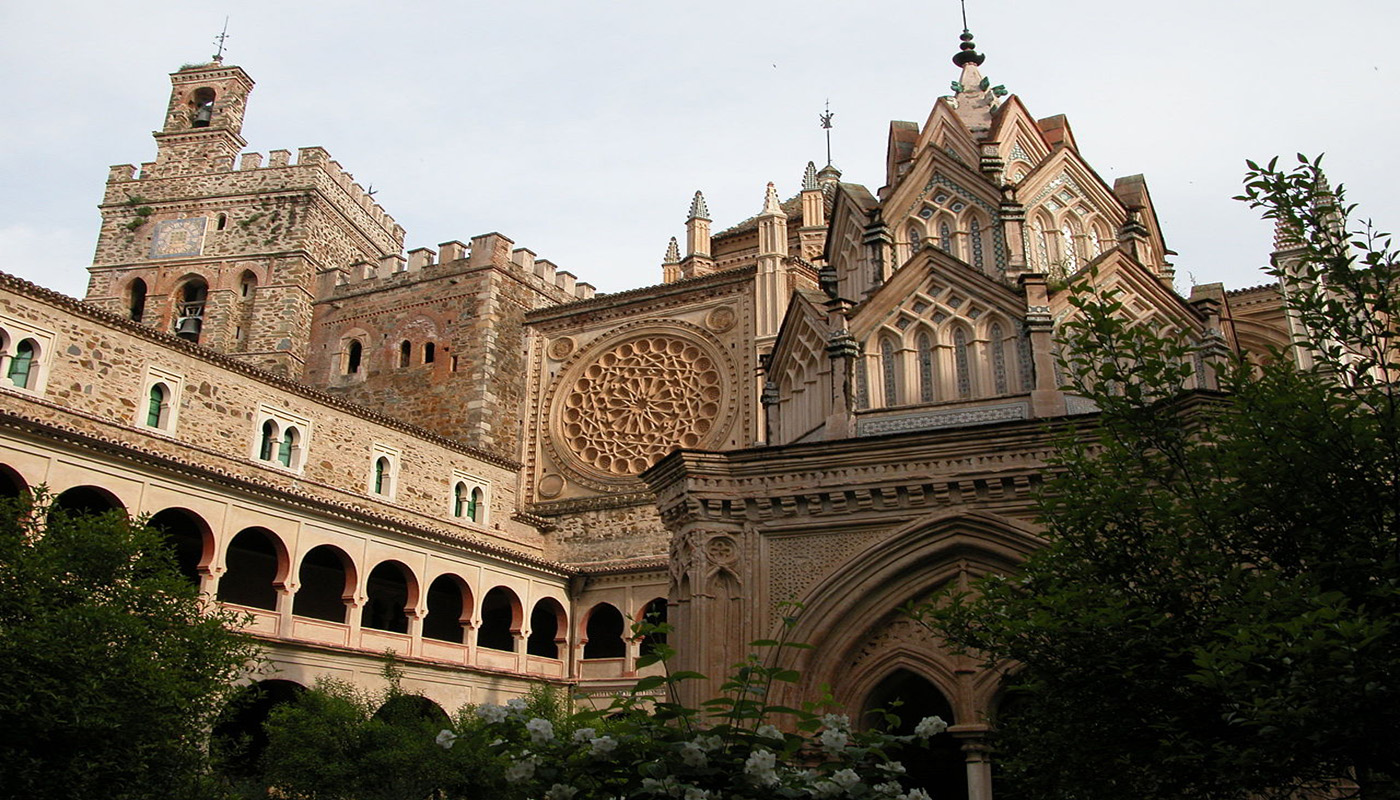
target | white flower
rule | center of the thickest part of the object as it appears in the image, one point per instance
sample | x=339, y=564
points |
x=602, y=745
x=893, y=767
x=917, y=794
x=889, y=789
x=696, y=793
x=584, y=734
x=930, y=726
x=693, y=755
x=560, y=792
x=838, y=721
x=759, y=766
x=522, y=770
x=541, y=730
x=445, y=739
x=846, y=779
x=709, y=743
x=516, y=707
x=825, y=789
x=769, y=732
x=492, y=714
x=653, y=786
x=834, y=740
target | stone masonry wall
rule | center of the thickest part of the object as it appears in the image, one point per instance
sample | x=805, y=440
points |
x=98, y=373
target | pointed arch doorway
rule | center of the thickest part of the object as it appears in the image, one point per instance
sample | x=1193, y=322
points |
x=939, y=766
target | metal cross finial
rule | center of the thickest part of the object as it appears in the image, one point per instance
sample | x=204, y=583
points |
x=219, y=40
x=826, y=126
x=963, y=3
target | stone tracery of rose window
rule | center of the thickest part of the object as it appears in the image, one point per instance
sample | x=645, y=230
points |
x=638, y=400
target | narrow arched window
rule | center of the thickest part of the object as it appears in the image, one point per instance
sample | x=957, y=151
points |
x=268, y=441
x=1070, y=254
x=354, y=352
x=925, y=368
x=136, y=308
x=998, y=345
x=22, y=364
x=975, y=235
x=960, y=363
x=286, y=446
x=474, y=505
x=222, y=222
x=1096, y=241
x=889, y=370
x=862, y=387
x=156, y=406
x=459, y=499
x=202, y=111
x=381, y=475
x=247, y=283
x=429, y=352
x=405, y=353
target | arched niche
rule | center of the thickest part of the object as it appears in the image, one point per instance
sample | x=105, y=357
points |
x=653, y=613
x=326, y=584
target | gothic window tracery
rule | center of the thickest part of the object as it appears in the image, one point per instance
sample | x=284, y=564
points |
x=925, y=349
x=889, y=370
x=998, y=345
x=961, y=363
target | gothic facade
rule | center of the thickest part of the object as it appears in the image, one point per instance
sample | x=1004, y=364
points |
x=468, y=456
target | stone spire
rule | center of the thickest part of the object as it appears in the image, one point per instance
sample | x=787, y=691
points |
x=671, y=263
x=809, y=178
x=772, y=206
x=813, y=203
x=697, y=228
x=698, y=209
x=771, y=287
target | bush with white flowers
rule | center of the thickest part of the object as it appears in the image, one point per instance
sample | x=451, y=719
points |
x=645, y=746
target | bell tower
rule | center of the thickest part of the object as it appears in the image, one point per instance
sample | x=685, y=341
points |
x=204, y=121
x=222, y=247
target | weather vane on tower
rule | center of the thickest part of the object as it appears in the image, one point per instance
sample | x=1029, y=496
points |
x=219, y=40
x=826, y=126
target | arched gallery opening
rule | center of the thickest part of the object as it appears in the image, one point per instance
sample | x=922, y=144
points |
x=187, y=536
x=603, y=633
x=938, y=766
x=326, y=583
x=238, y=739
x=500, y=620
x=84, y=500
x=251, y=565
x=449, y=609
x=387, y=598
x=547, y=626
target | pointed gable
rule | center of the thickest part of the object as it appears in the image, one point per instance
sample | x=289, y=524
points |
x=946, y=131
x=899, y=153
x=1021, y=144
x=799, y=371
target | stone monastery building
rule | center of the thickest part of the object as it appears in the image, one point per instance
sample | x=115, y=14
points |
x=465, y=455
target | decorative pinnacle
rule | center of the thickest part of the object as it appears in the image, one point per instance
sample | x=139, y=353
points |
x=967, y=51
x=772, y=206
x=673, y=252
x=698, y=209
x=809, y=178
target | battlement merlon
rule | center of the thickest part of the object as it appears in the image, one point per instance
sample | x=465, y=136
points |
x=312, y=169
x=489, y=250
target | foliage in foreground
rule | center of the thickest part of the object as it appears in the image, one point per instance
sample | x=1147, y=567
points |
x=112, y=668
x=331, y=745
x=1217, y=614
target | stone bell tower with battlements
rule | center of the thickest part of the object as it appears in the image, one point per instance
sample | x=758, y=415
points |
x=222, y=247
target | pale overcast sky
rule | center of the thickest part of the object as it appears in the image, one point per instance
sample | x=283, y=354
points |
x=581, y=130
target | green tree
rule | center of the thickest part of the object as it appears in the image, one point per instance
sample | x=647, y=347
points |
x=1217, y=612
x=112, y=667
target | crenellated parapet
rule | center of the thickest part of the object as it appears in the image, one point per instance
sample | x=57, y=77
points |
x=491, y=250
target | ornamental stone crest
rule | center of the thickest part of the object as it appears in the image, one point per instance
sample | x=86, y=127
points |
x=631, y=399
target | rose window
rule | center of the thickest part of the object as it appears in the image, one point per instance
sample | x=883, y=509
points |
x=638, y=401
